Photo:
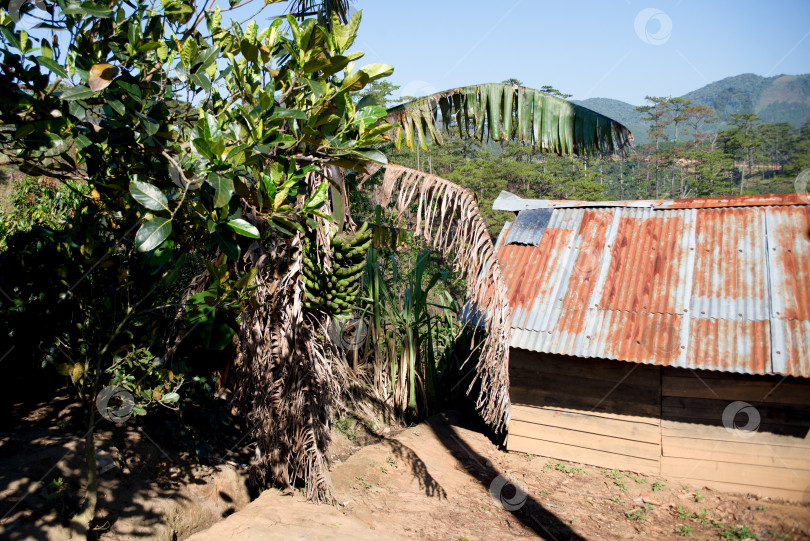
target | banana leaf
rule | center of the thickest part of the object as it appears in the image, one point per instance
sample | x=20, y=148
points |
x=504, y=112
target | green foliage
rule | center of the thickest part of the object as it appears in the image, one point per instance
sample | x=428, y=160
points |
x=194, y=145
x=684, y=530
x=743, y=532
x=412, y=331
x=562, y=467
x=39, y=202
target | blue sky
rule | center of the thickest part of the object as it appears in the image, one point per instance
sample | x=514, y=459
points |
x=615, y=49
x=621, y=49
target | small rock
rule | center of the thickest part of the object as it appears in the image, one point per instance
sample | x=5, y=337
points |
x=345, y=504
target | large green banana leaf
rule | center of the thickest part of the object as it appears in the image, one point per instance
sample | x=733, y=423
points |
x=509, y=112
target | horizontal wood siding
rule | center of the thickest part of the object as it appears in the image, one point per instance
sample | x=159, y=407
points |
x=590, y=411
x=772, y=460
x=663, y=421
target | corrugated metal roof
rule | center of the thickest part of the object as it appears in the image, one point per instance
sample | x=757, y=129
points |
x=689, y=283
x=511, y=202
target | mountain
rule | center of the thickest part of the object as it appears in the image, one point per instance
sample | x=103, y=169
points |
x=782, y=98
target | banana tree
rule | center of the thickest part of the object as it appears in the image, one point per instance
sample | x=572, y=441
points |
x=447, y=215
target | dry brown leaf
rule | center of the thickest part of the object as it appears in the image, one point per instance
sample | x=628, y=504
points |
x=101, y=75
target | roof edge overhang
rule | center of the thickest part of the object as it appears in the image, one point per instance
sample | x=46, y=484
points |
x=513, y=203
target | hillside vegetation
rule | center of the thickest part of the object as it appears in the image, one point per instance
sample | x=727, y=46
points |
x=781, y=98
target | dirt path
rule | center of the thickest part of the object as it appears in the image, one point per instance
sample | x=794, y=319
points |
x=433, y=481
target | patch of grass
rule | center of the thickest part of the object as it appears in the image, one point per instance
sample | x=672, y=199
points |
x=684, y=531
x=529, y=457
x=657, y=486
x=699, y=496
x=761, y=508
x=561, y=467
x=362, y=482
x=636, y=515
x=392, y=461
x=638, y=480
x=347, y=426
x=743, y=532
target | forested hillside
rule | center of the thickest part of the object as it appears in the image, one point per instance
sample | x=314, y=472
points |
x=782, y=98
x=751, y=157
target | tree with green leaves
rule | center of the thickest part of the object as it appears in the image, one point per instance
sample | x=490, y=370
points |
x=214, y=165
x=657, y=114
x=742, y=139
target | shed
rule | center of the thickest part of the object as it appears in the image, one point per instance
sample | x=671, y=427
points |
x=667, y=337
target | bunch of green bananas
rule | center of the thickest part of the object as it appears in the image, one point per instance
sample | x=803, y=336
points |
x=336, y=293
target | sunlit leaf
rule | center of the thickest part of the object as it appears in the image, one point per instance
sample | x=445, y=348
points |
x=149, y=196
x=244, y=228
x=152, y=233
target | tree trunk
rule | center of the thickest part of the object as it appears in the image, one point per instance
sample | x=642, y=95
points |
x=81, y=522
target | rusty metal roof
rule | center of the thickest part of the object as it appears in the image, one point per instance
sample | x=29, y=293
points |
x=701, y=283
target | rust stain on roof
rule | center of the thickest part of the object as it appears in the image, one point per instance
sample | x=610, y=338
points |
x=718, y=284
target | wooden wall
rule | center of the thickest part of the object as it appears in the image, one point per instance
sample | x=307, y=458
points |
x=773, y=460
x=598, y=412
x=663, y=421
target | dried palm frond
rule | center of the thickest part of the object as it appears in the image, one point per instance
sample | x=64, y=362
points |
x=447, y=218
x=509, y=112
x=285, y=380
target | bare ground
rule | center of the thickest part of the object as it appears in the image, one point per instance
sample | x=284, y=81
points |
x=442, y=479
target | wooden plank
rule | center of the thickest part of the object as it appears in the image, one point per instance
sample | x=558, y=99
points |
x=738, y=452
x=571, y=436
x=726, y=472
x=572, y=453
x=655, y=421
x=729, y=387
x=561, y=394
x=584, y=422
x=649, y=391
x=537, y=366
x=771, y=492
x=704, y=432
x=787, y=419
